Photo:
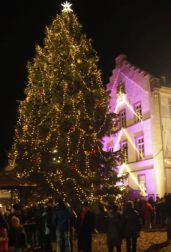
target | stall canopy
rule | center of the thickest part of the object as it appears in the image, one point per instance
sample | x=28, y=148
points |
x=9, y=182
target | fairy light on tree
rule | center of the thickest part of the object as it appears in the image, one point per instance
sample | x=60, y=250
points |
x=64, y=117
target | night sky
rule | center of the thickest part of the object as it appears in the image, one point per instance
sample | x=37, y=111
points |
x=138, y=29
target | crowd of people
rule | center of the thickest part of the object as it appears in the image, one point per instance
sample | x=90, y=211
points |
x=54, y=226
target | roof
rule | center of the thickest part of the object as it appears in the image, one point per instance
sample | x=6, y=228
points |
x=9, y=181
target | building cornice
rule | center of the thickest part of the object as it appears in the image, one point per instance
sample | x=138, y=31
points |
x=141, y=169
x=165, y=90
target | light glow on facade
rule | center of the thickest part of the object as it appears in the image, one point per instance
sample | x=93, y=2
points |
x=144, y=121
x=124, y=167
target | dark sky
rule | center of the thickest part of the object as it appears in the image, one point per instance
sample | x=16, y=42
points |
x=140, y=30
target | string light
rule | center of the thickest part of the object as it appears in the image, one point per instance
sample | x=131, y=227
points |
x=121, y=100
x=125, y=166
x=65, y=114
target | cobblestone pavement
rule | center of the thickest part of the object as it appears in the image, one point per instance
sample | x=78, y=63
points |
x=148, y=241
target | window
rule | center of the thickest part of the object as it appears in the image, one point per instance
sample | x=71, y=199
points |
x=124, y=151
x=116, y=123
x=110, y=149
x=138, y=112
x=110, y=146
x=118, y=159
x=122, y=115
x=140, y=148
x=169, y=102
x=121, y=88
x=142, y=181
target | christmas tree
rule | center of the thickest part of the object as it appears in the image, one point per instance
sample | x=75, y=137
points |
x=58, y=136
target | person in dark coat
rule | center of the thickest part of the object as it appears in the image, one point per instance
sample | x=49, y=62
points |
x=4, y=228
x=17, y=236
x=132, y=226
x=3, y=220
x=63, y=225
x=114, y=228
x=48, y=226
x=85, y=228
x=168, y=216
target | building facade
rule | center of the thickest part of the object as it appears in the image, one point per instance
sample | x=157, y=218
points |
x=142, y=128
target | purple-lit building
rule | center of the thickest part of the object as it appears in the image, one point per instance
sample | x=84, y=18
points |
x=142, y=128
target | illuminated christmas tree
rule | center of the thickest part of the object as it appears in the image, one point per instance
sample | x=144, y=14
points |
x=63, y=118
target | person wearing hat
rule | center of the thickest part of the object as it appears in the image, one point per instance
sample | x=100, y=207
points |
x=114, y=229
x=132, y=226
x=85, y=227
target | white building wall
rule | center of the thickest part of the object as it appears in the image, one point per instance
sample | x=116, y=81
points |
x=165, y=97
x=155, y=126
x=166, y=122
x=149, y=174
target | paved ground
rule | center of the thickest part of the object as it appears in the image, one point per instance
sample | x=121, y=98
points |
x=148, y=241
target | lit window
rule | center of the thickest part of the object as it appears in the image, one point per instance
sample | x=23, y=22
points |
x=140, y=148
x=142, y=181
x=116, y=123
x=118, y=158
x=122, y=115
x=110, y=146
x=138, y=112
x=169, y=102
x=124, y=151
x=110, y=149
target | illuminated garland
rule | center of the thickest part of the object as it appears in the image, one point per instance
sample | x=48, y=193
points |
x=66, y=112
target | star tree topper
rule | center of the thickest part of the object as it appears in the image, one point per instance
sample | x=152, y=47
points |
x=66, y=7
